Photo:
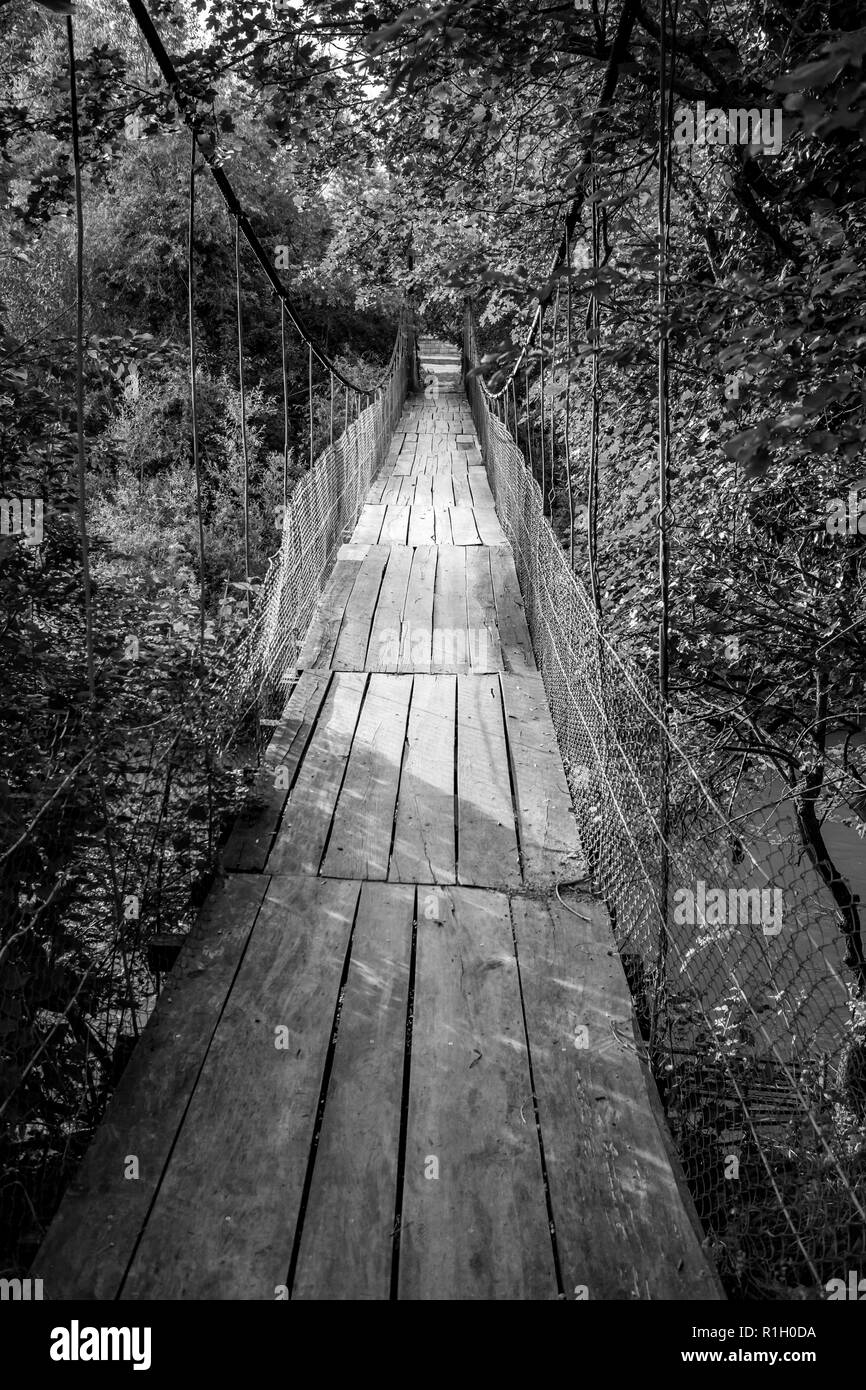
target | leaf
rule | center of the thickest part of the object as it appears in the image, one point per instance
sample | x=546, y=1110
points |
x=816, y=74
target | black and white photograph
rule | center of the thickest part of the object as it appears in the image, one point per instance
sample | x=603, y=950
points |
x=432, y=648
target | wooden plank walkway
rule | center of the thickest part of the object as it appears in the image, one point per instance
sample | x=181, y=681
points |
x=391, y=1062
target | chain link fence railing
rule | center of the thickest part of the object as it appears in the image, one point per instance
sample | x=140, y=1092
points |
x=321, y=515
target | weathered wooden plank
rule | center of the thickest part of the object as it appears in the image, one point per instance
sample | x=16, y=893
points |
x=380, y=482
x=360, y=841
x=391, y=490
x=462, y=490
x=395, y=527
x=486, y=834
x=350, y=650
x=482, y=631
x=449, y=612
x=416, y=635
x=422, y=492
x=91, y=1240
x=622, y=1229
x=463, y=528
x=224, y=1220
x=443, y=491
x=322, y=634
x=383, y=651
x=347, y=1242
x=549, y=842
x=249, y=843
x=489, y=529
x=424, y=842
x=422, y=527
x=514, y=639
x=369, y=525
x=442, y=518
x=303, y=831
x=474, y=1218
x=479, y=486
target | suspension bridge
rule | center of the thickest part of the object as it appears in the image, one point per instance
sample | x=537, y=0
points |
x=393, y=1060
x=439, y=1031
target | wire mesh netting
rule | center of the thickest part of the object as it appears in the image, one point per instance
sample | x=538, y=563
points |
x=320, y=516
x=743, y=966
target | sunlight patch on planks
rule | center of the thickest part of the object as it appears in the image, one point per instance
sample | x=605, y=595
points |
x=446, y=778
x=421, y=609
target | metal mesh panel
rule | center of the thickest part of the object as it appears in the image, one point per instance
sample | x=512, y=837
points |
x=321, y=515
x=729, y=937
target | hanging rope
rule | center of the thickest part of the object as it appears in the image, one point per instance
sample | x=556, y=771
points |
x=618, y=52
x=665, y=118
x=595, y=404
x=310, y=395
x=186, y=106
x=551, y=496
x=244, y=447
x=82, y=506
x=528, y=425
x=285, y=410
x=79, y=371
x=196, y=463
x=568, y=487
x=541, y=406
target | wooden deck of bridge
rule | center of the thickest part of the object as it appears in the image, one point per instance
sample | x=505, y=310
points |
x=390, y=1062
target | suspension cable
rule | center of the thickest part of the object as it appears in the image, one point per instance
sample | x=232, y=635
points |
x=528, y=426
x=568, y=486
x=627, y=17
x=244, y=448
x=79, y=371
x=551, y=496
x=310, y=395
x=193, y=392
x=595, y=407
x=665, y=114
x=82, y=500
x=285, y=410
x=541, y=406
x=186, y=106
